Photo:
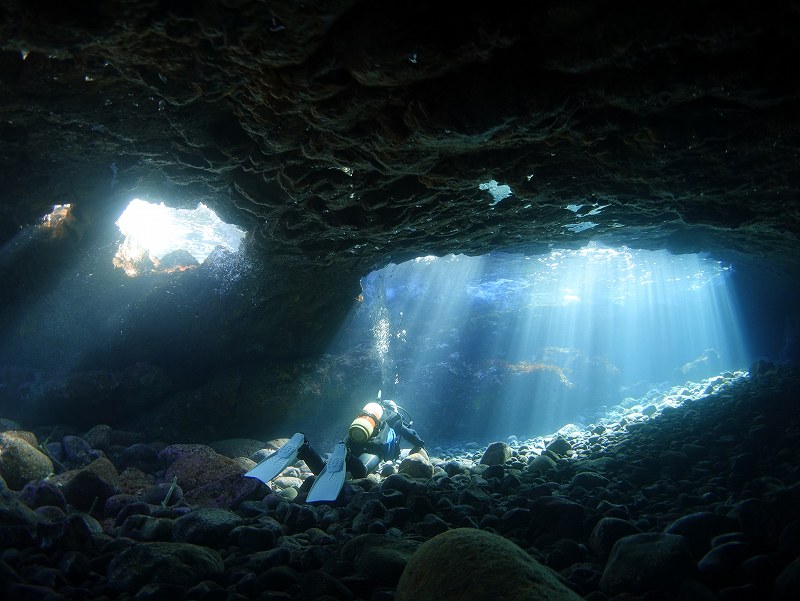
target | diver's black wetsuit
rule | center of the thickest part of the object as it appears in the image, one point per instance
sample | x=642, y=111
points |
x=364, y=457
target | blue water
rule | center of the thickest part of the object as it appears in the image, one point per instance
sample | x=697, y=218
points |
x=523, y=344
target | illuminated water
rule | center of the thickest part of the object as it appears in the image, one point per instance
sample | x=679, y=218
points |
x=87, y=310
x=524, y=344
x=159, y=230
x=474, y=347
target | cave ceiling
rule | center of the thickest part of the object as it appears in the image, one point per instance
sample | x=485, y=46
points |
x=346, y=134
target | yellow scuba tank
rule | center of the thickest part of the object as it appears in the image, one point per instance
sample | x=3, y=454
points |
x=366, y=424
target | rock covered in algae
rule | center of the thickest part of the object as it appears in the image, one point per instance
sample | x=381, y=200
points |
x=647, y=561
x=181, y=564
x=466, y=564
x=21, y=460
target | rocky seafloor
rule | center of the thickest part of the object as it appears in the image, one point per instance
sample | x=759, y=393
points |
x=687, y=493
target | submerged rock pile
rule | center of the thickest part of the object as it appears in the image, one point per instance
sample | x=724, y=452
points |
x=689, y=494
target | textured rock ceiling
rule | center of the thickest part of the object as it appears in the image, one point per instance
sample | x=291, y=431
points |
x=344, y=134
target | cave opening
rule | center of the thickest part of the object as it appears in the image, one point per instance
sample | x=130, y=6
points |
x=139, y=286
x=524, y=344
x=159, y=238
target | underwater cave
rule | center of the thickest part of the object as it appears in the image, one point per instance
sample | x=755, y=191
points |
x=399, y=301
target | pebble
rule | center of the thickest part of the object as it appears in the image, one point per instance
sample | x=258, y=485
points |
x=588, y=480
x=722, y=563
x=13, y=512
x=560, y=446
x=163, y=563
x=607, y=532
x=76, y=450
x=206, y=526
x=89, y=488
x=497, y=453
x=147, y=528
x=163, y=493
x=99, y=437
x=196, y=465
x=416, y=465
x=42, y=493
x=140, y=456
x=229, y=491
x=381, y=558
x=21, y=461
x=787, y=584
x=648, y=561
x=700, y=528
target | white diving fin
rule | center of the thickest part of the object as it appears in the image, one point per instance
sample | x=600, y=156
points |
x=273, y=465
x=328, y=484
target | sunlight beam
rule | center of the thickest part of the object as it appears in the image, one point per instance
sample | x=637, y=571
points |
x=529, y=343
x=153, y=231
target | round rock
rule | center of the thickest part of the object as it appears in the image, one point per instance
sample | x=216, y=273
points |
x=99, y=437
x=140, y=456
x=541, y=464
x=41, y=493
x=648, y=561
x=21, y=461
x=380, y=557
x=473, y=565
x=76, y=449
x=229, y=492
x=416, y=465
x=559, y=446
x=168, y=563
x=95, y=483
x=13, y=512
x=206, y=526
x=787, y=585
x=588, y=480
x=496, y=453
x=607, y=532
x=699, y=528
x=197, y=466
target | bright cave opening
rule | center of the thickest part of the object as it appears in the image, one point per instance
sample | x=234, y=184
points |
x=529, y=344
x=162, y=239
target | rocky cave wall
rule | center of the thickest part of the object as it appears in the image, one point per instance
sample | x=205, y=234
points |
x=344, y=135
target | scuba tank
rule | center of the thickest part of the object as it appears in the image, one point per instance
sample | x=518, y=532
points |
x=366, y=424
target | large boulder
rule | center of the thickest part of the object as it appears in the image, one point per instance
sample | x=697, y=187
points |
x=206, y=526
x=21, y=461
x=474, y=565
x=416, y=465
x=541, y=464
x=91, y=486
x=14, y=512
x=237, y=447
x=168, y=563
x=496, y=453
x=607, y=532
x=380, y=557
x=228, y=492
x=42, y=493
x=647, y=561
x=699, y=528
x=557, y=515
x=787, y=584
x=196, y=465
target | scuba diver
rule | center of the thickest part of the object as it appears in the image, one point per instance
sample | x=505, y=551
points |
x=374, y=436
